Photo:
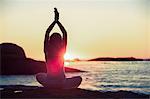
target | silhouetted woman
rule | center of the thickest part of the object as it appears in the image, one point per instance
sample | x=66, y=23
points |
x=54, y=49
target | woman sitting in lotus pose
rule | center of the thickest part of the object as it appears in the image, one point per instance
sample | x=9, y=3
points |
x=54, y=49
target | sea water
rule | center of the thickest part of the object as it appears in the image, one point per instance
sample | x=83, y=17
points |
x=101, y=75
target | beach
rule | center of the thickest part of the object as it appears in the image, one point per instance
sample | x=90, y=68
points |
x=21, y=91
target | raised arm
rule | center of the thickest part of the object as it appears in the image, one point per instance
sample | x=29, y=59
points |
x=61, y=26
x=47, y=35
x=64, y=32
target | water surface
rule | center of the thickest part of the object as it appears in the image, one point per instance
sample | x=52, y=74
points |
x=101, y=76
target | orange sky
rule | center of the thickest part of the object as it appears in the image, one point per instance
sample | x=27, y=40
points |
x=96, y=28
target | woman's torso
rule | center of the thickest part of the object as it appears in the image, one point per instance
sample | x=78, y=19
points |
x=55, y=61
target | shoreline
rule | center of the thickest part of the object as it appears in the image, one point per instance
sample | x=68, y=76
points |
x=21, y=91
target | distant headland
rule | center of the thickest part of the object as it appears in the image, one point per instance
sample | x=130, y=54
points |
x=118, y=59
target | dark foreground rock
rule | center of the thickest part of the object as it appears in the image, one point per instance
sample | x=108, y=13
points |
x=20, y=91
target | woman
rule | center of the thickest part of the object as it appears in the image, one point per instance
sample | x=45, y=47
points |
x=54, y=49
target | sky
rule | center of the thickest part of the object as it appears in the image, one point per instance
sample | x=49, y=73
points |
x=96, y=28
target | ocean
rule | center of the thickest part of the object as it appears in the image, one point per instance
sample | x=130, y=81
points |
x=101, y=75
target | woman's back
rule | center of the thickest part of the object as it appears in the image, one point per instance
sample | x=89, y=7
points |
x=54, y=57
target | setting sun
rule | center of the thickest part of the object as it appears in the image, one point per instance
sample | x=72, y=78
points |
x=68, y=56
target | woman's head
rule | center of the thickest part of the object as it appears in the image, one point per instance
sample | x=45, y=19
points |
x=55, y=38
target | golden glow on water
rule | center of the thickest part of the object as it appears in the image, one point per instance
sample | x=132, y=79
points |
x=66, y=63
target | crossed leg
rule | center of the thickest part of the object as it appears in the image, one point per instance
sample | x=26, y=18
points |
x=68, y=83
